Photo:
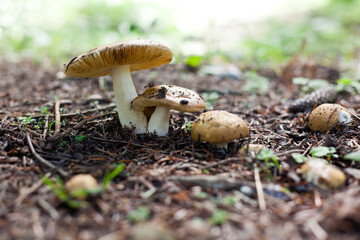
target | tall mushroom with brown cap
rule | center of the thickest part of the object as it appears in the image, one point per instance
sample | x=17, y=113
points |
x=164, y=98
x=218, y=128
x=118, y=60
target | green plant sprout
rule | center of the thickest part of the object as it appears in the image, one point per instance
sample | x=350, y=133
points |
x=44, y=110
x=219, y=217
x=322, y=151
x=58, y=188
x=140, y=214
x=347, y=84
x=268, y=156
x=188, y=126
x=299, y=158
x=79, y=138
x=354, y=156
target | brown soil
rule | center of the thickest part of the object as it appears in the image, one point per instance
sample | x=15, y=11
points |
x=181, y=183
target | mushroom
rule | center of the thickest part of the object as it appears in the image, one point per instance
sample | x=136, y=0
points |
x=323, y=117
x=164, y=98
x=322, y=174
x=218, y=128
x=81, y=182
x=118, y=60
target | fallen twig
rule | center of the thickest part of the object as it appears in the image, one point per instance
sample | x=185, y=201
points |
x=207, y=181
x=57, y=116
x=42, y=160
x=259, y=190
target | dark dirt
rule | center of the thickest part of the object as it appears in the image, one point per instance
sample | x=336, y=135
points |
x=181, y=183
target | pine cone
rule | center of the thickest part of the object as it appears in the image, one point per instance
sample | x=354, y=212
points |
x=320, y=96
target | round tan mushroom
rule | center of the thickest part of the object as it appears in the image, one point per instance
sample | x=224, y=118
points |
x=164, y=98
x=322, y=174
x=81, y=182
x=118, y=60
x=218, y=128
x=326, y=115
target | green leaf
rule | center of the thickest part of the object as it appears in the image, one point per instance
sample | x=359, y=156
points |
x=142, y=213
x=228, y=200
x=355, y=156
x=109, y=176
x=219, y=217
x=194, y=61
x=299, y=158
x=322, y=151
x=79, y=138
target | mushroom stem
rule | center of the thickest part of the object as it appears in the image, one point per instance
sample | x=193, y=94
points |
x=125, y=92
x=159, y=121
x=220, y=145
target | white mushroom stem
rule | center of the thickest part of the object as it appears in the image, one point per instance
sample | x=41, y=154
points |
x=221, y=145
x=159, y=121
x=125, y=92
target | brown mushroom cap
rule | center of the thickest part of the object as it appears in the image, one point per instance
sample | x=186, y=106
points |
x=139, y=54
x=174, y=97
x=218, y=127
x=325, y=116
x=322, y=174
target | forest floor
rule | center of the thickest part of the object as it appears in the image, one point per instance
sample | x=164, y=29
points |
x=171, y=187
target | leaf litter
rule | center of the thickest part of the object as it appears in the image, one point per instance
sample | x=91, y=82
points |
x=171, y=188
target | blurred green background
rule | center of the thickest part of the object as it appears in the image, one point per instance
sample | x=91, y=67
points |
x=327, y=31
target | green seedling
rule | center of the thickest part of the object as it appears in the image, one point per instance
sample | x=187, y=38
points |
x=228, y=200
x=44, y=110
x=322, y=151
x=188, y=126
x=59, y=190
x=299, y=158
x=267, y=155
x=347, y=84
x=26, y=120
x=219, y=217
x=79, y=138
x=194, y=61
x=270, y=160
x=140, y=214
x=109, y=176
x=62, y=143
x=354, y=156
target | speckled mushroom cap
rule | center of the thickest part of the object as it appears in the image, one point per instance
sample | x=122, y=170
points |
x=139, y=54
x=218, y=127
x=174, y=97
x=325, y=116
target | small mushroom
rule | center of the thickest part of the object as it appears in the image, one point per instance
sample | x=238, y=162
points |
x=323, y=117
x=164, y=98
x=81, y=182
x=322, y=174
x=118, y=60
x=218, y=128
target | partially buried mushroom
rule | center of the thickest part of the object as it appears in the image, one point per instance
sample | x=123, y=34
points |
x=218, y=128
x=323, y=117
x=164, y=98
x=118, y=60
